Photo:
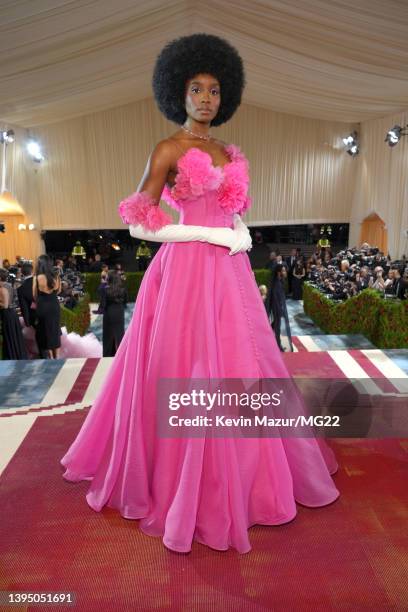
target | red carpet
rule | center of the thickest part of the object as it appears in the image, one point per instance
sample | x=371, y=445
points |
x=350, y=556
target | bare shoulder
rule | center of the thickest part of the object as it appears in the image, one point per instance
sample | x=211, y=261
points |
x=163, y=153
x=163, y=147
x=221, y=143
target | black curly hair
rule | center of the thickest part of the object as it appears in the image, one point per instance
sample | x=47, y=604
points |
x=183, y=58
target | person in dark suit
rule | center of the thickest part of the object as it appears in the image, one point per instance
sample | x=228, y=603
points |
x=96, y=266
x=291, y=263
x=276, y=304
x=113, y=303
x=399, y=285
x=25, y=295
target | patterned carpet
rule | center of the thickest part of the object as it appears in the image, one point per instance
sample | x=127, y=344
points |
x=349, y=556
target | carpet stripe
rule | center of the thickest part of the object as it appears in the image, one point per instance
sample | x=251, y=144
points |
x=63, y=382
x=388, y=368
x=12, y=434
x=352, y=369
x=308, y=344
x=98, y=377
x=297, y=345
x=84, y=378
x=373, y=372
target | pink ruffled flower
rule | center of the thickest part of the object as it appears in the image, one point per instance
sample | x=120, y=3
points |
x=197, y=175
x=233, y=191
x=235, y=153
x=141, y=209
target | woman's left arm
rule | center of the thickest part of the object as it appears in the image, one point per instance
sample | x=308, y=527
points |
x=4, y=297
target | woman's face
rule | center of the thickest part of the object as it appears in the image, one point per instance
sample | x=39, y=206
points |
x=203, y=97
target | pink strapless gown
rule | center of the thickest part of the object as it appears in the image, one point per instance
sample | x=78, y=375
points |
x=198, y=314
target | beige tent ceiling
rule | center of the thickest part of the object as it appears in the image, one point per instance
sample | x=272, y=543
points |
x=345, y=60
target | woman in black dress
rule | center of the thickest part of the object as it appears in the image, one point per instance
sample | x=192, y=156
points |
x=113, y=302
x=299, y=274
x=46, y=286
x=13, y=342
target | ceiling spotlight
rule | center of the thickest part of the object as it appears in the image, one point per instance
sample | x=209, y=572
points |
x=34, y=149
x=394, y=135
x=351, y=144
x=7, y=136
x=348, y=140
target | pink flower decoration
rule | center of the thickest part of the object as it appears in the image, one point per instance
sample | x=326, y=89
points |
x=197, y=175
x=141, y=209
x=233, y=191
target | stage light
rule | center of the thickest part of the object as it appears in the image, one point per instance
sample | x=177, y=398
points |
x=115, y=247
x=394, y=135
x=31, y=226
x=22, y=227
x=351, y=144
x=34, y=149
x=7, y=136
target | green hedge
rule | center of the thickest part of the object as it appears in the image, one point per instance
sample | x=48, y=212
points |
x=93, y=280
x=77, y=319
x=383, y=322
x=133, y=280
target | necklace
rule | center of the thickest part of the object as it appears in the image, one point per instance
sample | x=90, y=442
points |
x=196, y=135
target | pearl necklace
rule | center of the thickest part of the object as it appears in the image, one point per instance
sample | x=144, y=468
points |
x=196, y=135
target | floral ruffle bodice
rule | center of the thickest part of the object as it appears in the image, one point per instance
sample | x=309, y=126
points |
x=197, y=175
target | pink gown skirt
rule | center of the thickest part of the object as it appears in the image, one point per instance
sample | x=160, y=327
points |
x=198, y=314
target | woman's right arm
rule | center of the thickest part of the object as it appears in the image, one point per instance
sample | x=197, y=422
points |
x=147, y=221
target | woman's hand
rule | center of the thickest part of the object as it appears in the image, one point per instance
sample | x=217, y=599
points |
x=243, y=240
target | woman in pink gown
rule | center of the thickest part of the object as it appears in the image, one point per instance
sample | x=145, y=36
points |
x=198, y=315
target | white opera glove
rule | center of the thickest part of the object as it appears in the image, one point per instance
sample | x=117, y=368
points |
x=148, y=221
x=172, y=232
x=245, y=243
x=221, y=236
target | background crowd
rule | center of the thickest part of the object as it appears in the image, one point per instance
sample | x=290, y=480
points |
x=31, y=296
x=344, y=274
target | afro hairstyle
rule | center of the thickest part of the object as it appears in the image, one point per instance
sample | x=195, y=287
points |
x=183, y=58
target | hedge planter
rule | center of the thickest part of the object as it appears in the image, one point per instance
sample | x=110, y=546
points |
x=383, y=322
x=133, y=280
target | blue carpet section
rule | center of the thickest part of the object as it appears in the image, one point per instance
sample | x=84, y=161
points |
x=96, y=324
x=345, y=341
x=399, y=357
x=26, y=382
x=300, y=323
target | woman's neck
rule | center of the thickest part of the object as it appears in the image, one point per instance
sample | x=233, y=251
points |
x=199, y=128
